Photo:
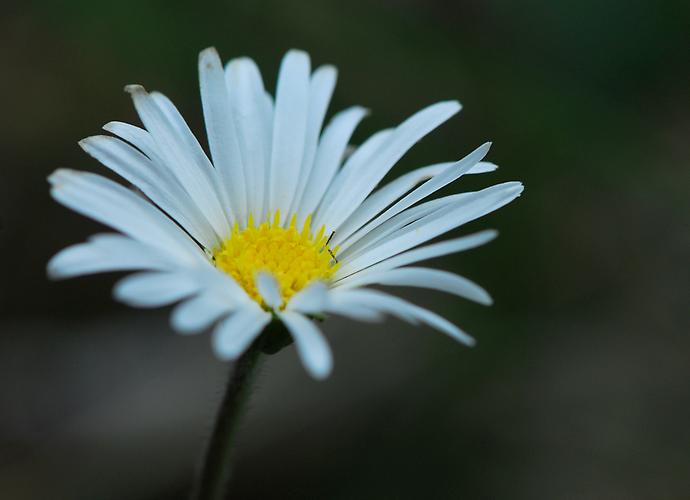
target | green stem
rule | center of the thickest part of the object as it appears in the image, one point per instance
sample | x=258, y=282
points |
x=217, y=468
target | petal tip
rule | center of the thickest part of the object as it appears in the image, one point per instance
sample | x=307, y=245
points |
x=209, y=58
x=134, y=89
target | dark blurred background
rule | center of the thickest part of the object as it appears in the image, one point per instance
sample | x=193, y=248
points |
x=579, y=387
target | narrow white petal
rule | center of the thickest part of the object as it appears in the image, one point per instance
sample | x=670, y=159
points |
x=236, y=333
x=351, y=249
x=157, y=183
x=369, y=299
x=384, y=197
x=199, y=164
x=220, y=128
x=429, y=187
x=364, y=178
x=108, y=202
x=329, y=155
x=340, y=304
x=269, y=290
x=137, y=137
x=182, y=153
x=469, y=208
x=106, y=253
x=253, y=127
x=198, y=313
x=320, y=91
x=443, y=325
x=483, y=167
x=224, y=287
x=289, y=129
x=434, y=279
x=424, y=253
x=155, y=289
x=406, y=311
x=310, y=343
x=358, y=312
x=310, y=300
x=360, y=158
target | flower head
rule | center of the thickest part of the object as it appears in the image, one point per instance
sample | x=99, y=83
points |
x=281, y=223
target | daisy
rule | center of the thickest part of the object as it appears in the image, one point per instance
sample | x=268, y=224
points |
x=282, y=222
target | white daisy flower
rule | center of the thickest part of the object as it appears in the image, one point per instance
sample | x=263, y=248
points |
x=280, y=223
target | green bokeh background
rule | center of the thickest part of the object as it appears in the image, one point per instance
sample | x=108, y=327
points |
x=579, y=387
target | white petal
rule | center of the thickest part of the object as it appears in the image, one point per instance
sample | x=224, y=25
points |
x=220, y=128
x=385, y=196
x=429, y=187
x=320, y=91
x=235, y=334
x=198, y=313
x=137, y=137
x=369, y=299
x=351, y=249
x=406, y=311
x=109, y=252
x=157, y=183
x=254, y=130
x=116, y=206
x=340, y=304
x=224, y=287
x=289, y=129
x=361, y=157
x=435, y=224
x=310, y=343
x=364, y=178
x=310, y=300
x=425, y=253
x=182, y=153
x=269, y=290
x=155, y=289
x=329, y=155
x=483, y=167
x=434, y=279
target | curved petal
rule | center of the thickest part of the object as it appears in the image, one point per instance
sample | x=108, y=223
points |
x=424, y=253
x=110, y=203
x=198, y=313
x=366, y=177
x=155, y=289
x=361, y=157
x=156, y=182
x=351, y=249
x=311, y=345
x=405, y=311
x=109, y=252
x=269, y=290
x=236, y=333
x=429, y=187
x=386, y=196
x=435, y=224
x=329, y=155
x=434, y=279
x=182, y=154
x=310, y=300
x=137, y=137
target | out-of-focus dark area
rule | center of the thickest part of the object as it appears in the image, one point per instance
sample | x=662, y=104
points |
x=579, y=386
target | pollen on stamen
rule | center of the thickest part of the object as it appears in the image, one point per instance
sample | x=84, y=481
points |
x=294, y=257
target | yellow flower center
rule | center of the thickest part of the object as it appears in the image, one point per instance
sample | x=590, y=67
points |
x=294, y=258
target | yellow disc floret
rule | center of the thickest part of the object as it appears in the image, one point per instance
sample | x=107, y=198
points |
x=295, y=258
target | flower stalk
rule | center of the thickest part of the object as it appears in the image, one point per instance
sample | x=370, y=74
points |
x=216, y=471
